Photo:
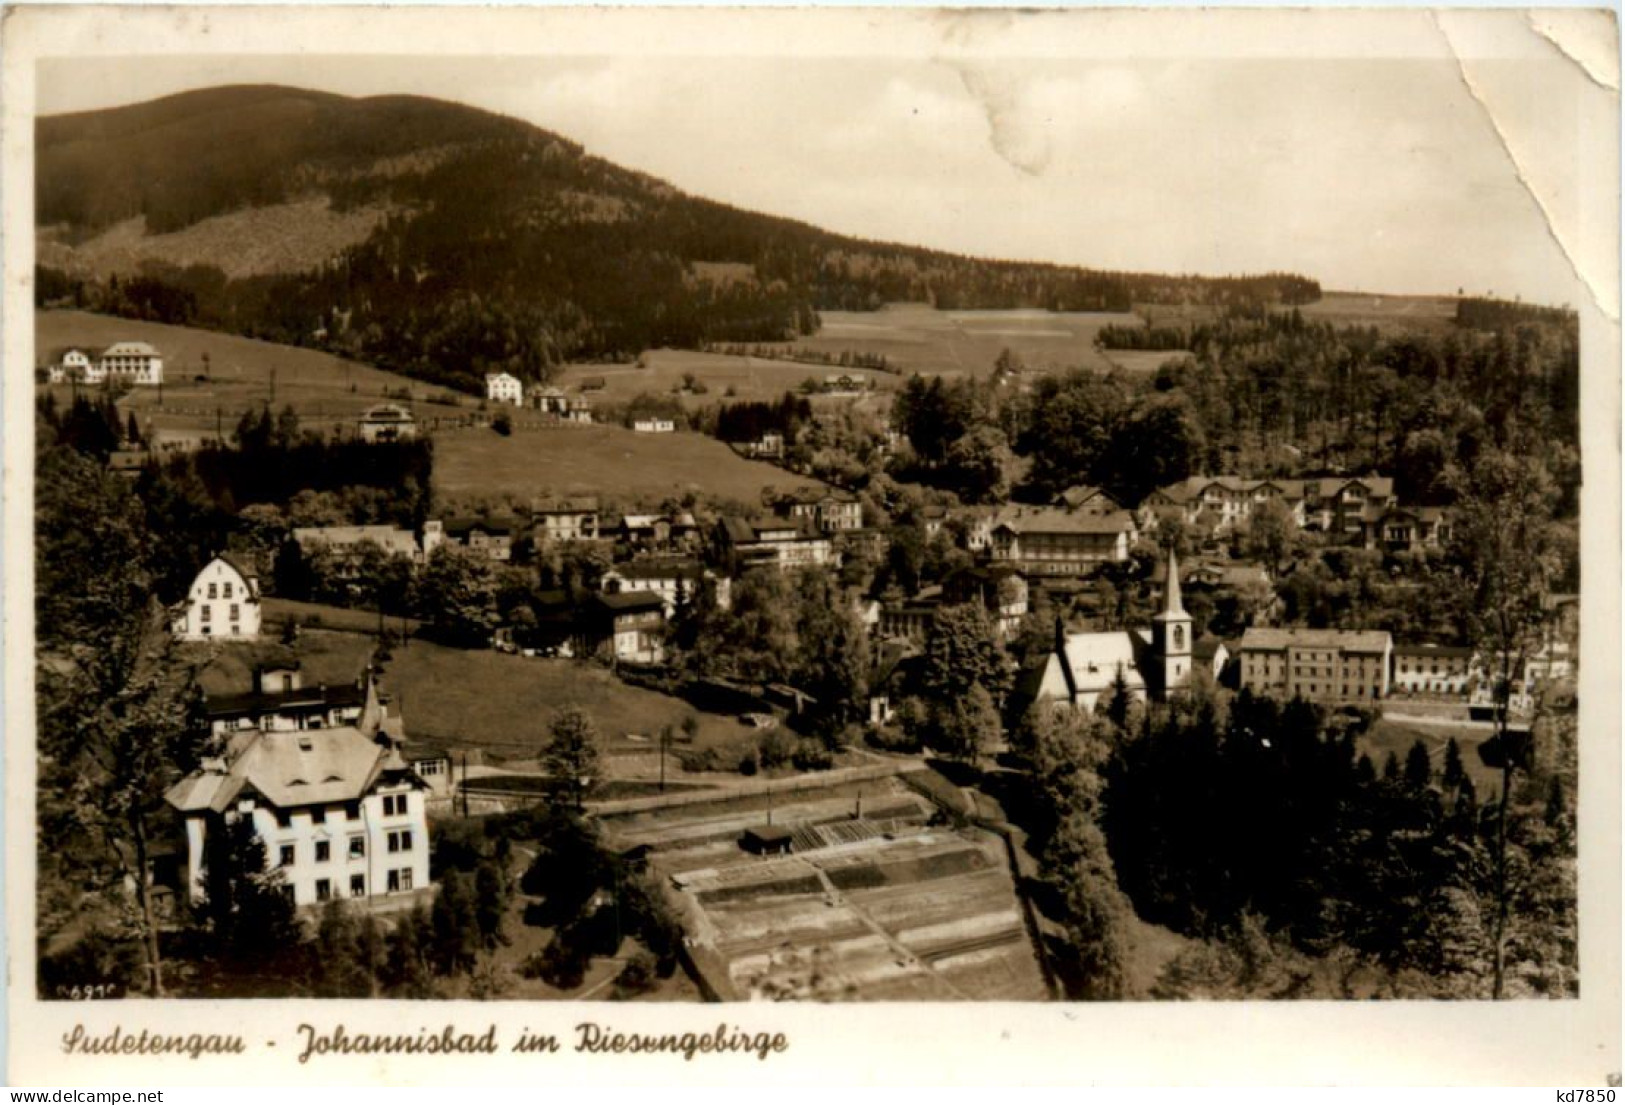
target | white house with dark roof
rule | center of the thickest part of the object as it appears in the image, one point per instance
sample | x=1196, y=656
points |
x=223, y=602
x=568, y=518
x=341, y=813
x=384, y=423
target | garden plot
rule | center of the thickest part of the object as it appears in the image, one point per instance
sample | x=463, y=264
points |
x=877, y=908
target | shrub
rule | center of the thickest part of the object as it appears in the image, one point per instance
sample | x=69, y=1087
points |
x=637, y=977
x=811, y=755
x=747, y=764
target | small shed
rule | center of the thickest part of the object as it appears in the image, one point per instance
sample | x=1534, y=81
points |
x=767, y=840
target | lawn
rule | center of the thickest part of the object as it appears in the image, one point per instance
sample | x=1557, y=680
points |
x=504, y=704
x=322, y=388
x=605, y=460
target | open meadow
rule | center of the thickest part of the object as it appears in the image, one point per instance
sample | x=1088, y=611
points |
x=918, y=338
x=606, y=460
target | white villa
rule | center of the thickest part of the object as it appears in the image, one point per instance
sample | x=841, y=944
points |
x=500, y=387
x=224, y=602
x=135, y=362
x=341, y=813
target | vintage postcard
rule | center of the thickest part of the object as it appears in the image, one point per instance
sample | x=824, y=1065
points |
x=664, y=545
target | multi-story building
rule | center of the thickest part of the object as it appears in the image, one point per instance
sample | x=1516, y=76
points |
x=784, y=543
x=133, y=361
x=565, y=519
x=631, y=623
x=224, y=601
x=1399, y=529
x=1046, y=541
x=654, y=426
x=341, y=813
x=1322, y=665
x=491, y=538
x=672, y=578
x=73, y=366
x=660, y=531
x=1432, y=669
x=832, y=510
x=501, y=387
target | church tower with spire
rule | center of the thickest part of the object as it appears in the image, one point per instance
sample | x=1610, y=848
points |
x=1171, y=635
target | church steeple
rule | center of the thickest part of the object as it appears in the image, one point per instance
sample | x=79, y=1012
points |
x=1172, y=606
x=1171, y=633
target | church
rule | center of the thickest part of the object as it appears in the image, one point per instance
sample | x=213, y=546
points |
x=1153, y=664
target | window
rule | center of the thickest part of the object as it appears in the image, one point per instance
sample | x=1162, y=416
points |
x=225, y=590
x=352, y=811
x=358, y=886
x=283, y=820
x=406, y=878
x=400, y=841
x=358, y=846
x=394, y=882
x=285, y=856
x=236, y=613
x=324, y=890
x=214, y=591
x=206, y=611
x=318, y=816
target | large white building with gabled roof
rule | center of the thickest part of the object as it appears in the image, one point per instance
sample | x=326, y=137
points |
x=340, y=812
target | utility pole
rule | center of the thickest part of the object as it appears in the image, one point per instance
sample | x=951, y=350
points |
x=465, y=784
x=665, y=735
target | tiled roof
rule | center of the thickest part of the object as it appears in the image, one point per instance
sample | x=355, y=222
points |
x=129, y=349
x=1055, y=520
x=304, y=699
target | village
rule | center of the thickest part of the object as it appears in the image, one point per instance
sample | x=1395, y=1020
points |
x=794, y=721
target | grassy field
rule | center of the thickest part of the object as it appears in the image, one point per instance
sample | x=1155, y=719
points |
x=609, y=460
x=1389, y=313
x=322, y=388
x=504, y=704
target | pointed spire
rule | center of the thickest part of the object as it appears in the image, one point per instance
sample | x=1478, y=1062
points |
x=1172, y=607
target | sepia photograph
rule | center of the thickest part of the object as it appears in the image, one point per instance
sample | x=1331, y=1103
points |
x=1041, y=509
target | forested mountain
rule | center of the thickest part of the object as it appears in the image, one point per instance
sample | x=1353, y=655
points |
x=442, y=241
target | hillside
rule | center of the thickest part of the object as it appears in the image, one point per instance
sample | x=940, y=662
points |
x=440, y=241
